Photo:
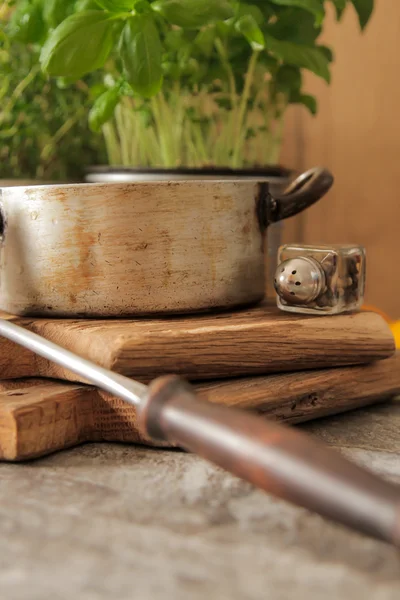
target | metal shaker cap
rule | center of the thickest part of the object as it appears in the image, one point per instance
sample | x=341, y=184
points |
x=299, y=280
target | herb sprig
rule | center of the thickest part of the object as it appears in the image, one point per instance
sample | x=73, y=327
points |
x=192, y=82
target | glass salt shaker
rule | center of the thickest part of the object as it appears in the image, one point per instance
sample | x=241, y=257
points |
x=320, y=279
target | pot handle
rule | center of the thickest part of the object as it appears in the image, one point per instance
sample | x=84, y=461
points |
x=304, y=191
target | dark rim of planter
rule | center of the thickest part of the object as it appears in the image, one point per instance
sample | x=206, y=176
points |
x=267, y=171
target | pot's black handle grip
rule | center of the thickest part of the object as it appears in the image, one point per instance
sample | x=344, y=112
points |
x=304, y=191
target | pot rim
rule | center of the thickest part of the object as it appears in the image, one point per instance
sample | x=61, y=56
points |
x=134, y=184
x=269, y=171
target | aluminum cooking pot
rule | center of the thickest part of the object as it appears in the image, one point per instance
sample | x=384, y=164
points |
x=278, y=178
x=122, y=249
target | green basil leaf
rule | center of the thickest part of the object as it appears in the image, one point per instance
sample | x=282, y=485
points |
x=26, y=23
x=295, y=25
x=86, y=5
x=79, y=45
x=308, y=101
x=266, y=8
x=340, y=5
x=204, y=41
x=288, y=79
x=178, y=39
x=193, y=14
x=308, y=57
x=96, y=90
x=55, y=11
x=237, y=52
x=103, y=109
x=141, y=54
x=364, y=10
x=171, y=69
x=328, y=53
x=190, y=68
x=116, y=5
x=173, y=39
x=315, y=7
x=251, y=9
x=269, y=62
x=247, y=25
x=224, y=28
x=142, y=6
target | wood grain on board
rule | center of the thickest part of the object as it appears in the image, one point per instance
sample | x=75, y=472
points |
x=39, y=416
x=257, y=341
x=356, y=134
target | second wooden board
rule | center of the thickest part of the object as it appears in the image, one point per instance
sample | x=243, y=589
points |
x=38, y=416
x=247, y=342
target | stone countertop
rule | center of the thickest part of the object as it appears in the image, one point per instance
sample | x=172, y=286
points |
x=120, y=522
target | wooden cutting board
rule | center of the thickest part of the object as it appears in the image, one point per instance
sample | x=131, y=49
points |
x=39, y=416
x=210, y=346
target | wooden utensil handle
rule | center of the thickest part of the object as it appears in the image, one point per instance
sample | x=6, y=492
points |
x=282, y=461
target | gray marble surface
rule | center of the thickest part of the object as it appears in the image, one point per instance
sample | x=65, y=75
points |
x=121, y=522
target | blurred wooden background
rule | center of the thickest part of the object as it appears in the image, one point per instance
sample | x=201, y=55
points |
x=356, y=134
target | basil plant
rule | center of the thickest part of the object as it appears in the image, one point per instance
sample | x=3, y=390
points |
x=188, y=82
x=44, y=131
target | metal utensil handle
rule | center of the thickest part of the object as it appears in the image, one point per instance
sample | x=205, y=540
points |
x=129, y=390
x=282, y=461
x=275, y=458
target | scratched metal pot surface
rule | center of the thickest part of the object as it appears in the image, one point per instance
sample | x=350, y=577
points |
x=277, y=177
x=124, y=249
